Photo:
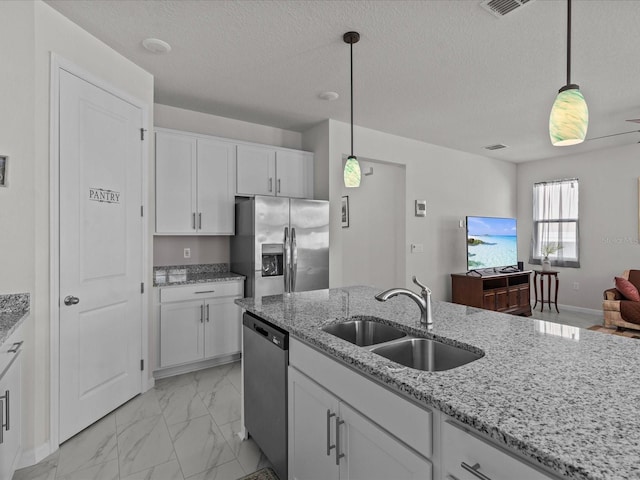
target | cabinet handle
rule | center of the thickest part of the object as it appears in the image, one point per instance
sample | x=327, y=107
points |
x=338, y=454
x=201, y=313
x=15, y=347
x=207, y=313
x=329, y=446
x=474, y=471
x=278, y=185
x=451, y=477
x=270, y=184
x=5, y=424
x=193, y=221
x=204, y=291
x=1, y=423
x=200, y=221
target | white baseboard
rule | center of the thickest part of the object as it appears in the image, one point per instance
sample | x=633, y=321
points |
x=192, y=367
x=36, y=455
x=588, y=311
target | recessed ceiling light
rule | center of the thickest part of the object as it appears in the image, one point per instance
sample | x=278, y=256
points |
x=329, y=96
x=156, y=46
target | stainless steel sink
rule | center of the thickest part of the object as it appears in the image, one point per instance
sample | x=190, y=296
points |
x=425, y=354
x=364, y=332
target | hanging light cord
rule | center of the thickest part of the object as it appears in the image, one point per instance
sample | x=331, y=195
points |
x=351, y=50
x=568, y=42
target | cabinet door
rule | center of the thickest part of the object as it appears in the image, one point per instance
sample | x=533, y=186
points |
x=525, y=296
x=294, y=173
x=489, y=300
x=11, y=441
x=312, y=421
x=371, y=453
x=175, y=183
x=223, y=320
x=216, y=187
x=255, y=170
x=181, y=332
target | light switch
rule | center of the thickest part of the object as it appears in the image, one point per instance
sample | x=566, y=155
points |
x=187, y=253
x=417, y=248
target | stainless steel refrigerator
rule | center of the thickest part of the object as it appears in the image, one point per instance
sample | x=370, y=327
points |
x=281, y=245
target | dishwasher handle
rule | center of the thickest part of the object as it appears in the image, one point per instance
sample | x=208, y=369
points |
x=267, y=331
x=261, y=330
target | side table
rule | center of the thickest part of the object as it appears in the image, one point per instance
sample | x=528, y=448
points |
x=550, y=274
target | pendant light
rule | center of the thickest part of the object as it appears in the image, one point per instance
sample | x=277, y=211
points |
x=351, y=172
x=569, y=117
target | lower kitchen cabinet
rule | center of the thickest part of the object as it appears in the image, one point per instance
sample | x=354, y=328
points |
x=10, y=400
x=467, y=457
x=199, y=322
x=330, y=440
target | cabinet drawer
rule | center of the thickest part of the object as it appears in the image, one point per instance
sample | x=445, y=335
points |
x=460, y=447
x=201, y=291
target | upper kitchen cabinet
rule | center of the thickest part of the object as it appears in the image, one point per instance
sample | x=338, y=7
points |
x=272, y=171
x=195, y=184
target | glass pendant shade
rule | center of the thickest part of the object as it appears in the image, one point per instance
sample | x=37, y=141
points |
x=569, y=117
x=352, y=172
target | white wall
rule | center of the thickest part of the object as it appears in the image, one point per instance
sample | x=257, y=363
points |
x=168, y=250
x=376, y=231
x=30, y=31
x=608, y=212
x=453, y=183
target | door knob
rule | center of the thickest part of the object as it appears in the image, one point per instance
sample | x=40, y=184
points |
x=71, y=300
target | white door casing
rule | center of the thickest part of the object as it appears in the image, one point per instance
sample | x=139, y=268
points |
x=100, y=252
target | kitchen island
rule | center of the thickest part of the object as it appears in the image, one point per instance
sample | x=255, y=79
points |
x=560, y=397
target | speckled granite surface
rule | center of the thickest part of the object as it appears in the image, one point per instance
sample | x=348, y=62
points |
x=13, y=309
x=188, y=274
x=571, y=403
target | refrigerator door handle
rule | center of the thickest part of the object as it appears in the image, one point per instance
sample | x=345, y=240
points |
x=287, y=260
x=294, y=259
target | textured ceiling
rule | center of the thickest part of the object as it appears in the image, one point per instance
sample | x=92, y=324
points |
x=443, y=72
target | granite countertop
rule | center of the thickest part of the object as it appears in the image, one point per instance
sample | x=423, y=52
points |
x=564, y=397
x=190, y=274
x=14, y=308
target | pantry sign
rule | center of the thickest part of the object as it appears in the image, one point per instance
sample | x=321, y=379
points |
x=104, y=196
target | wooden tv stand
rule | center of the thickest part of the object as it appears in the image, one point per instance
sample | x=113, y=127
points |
x=501, y=292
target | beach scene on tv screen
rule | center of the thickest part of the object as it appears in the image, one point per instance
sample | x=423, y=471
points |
x=491, y=242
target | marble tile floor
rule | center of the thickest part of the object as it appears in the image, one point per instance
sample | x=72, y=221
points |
x=184, y=428
x=568, y=317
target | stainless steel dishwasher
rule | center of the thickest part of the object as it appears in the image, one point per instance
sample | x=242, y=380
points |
x=265, y=353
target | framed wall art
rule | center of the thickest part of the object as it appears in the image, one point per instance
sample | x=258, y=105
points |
x=4, y=160
x=344, y=212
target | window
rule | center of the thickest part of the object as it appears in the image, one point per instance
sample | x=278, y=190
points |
x=555, y=223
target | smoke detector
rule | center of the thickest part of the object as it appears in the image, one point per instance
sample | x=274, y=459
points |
x=156, y=46
x=499, y=8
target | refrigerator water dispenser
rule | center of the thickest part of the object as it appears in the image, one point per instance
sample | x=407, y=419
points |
x=272, y=259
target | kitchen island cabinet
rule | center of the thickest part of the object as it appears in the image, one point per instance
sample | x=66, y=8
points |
x=526, y=399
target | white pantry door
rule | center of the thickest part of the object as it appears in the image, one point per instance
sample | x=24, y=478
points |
x=100, y=253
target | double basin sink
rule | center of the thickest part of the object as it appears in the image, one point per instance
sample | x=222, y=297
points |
x=395, y=345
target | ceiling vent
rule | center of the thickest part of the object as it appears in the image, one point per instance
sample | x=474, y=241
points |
x=499, y=8
x=497, y=146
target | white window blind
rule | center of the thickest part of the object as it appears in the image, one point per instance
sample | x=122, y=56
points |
x=555, y=222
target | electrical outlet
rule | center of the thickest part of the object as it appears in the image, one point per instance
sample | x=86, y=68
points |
x=576, y=286
x=187, y=253
x=461, y=224
x=417, y=248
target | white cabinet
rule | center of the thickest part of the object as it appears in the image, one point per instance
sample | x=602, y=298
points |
x=10, y=400
x=199, y=322
x=330, y=440
x=271, y=171
x=195, y=184
x=467, y=457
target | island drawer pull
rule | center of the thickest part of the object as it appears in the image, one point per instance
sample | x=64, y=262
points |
x=451, y=477
x=338, y=454
x=329, y=446
x=474, y=470
x=15, y=347
x=205, y=291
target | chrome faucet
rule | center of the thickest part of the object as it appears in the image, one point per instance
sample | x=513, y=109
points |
x=423, y=300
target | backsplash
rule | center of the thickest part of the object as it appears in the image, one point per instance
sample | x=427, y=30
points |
x=179, y=273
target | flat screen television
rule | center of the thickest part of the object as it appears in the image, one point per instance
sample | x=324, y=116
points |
x=491, y=244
